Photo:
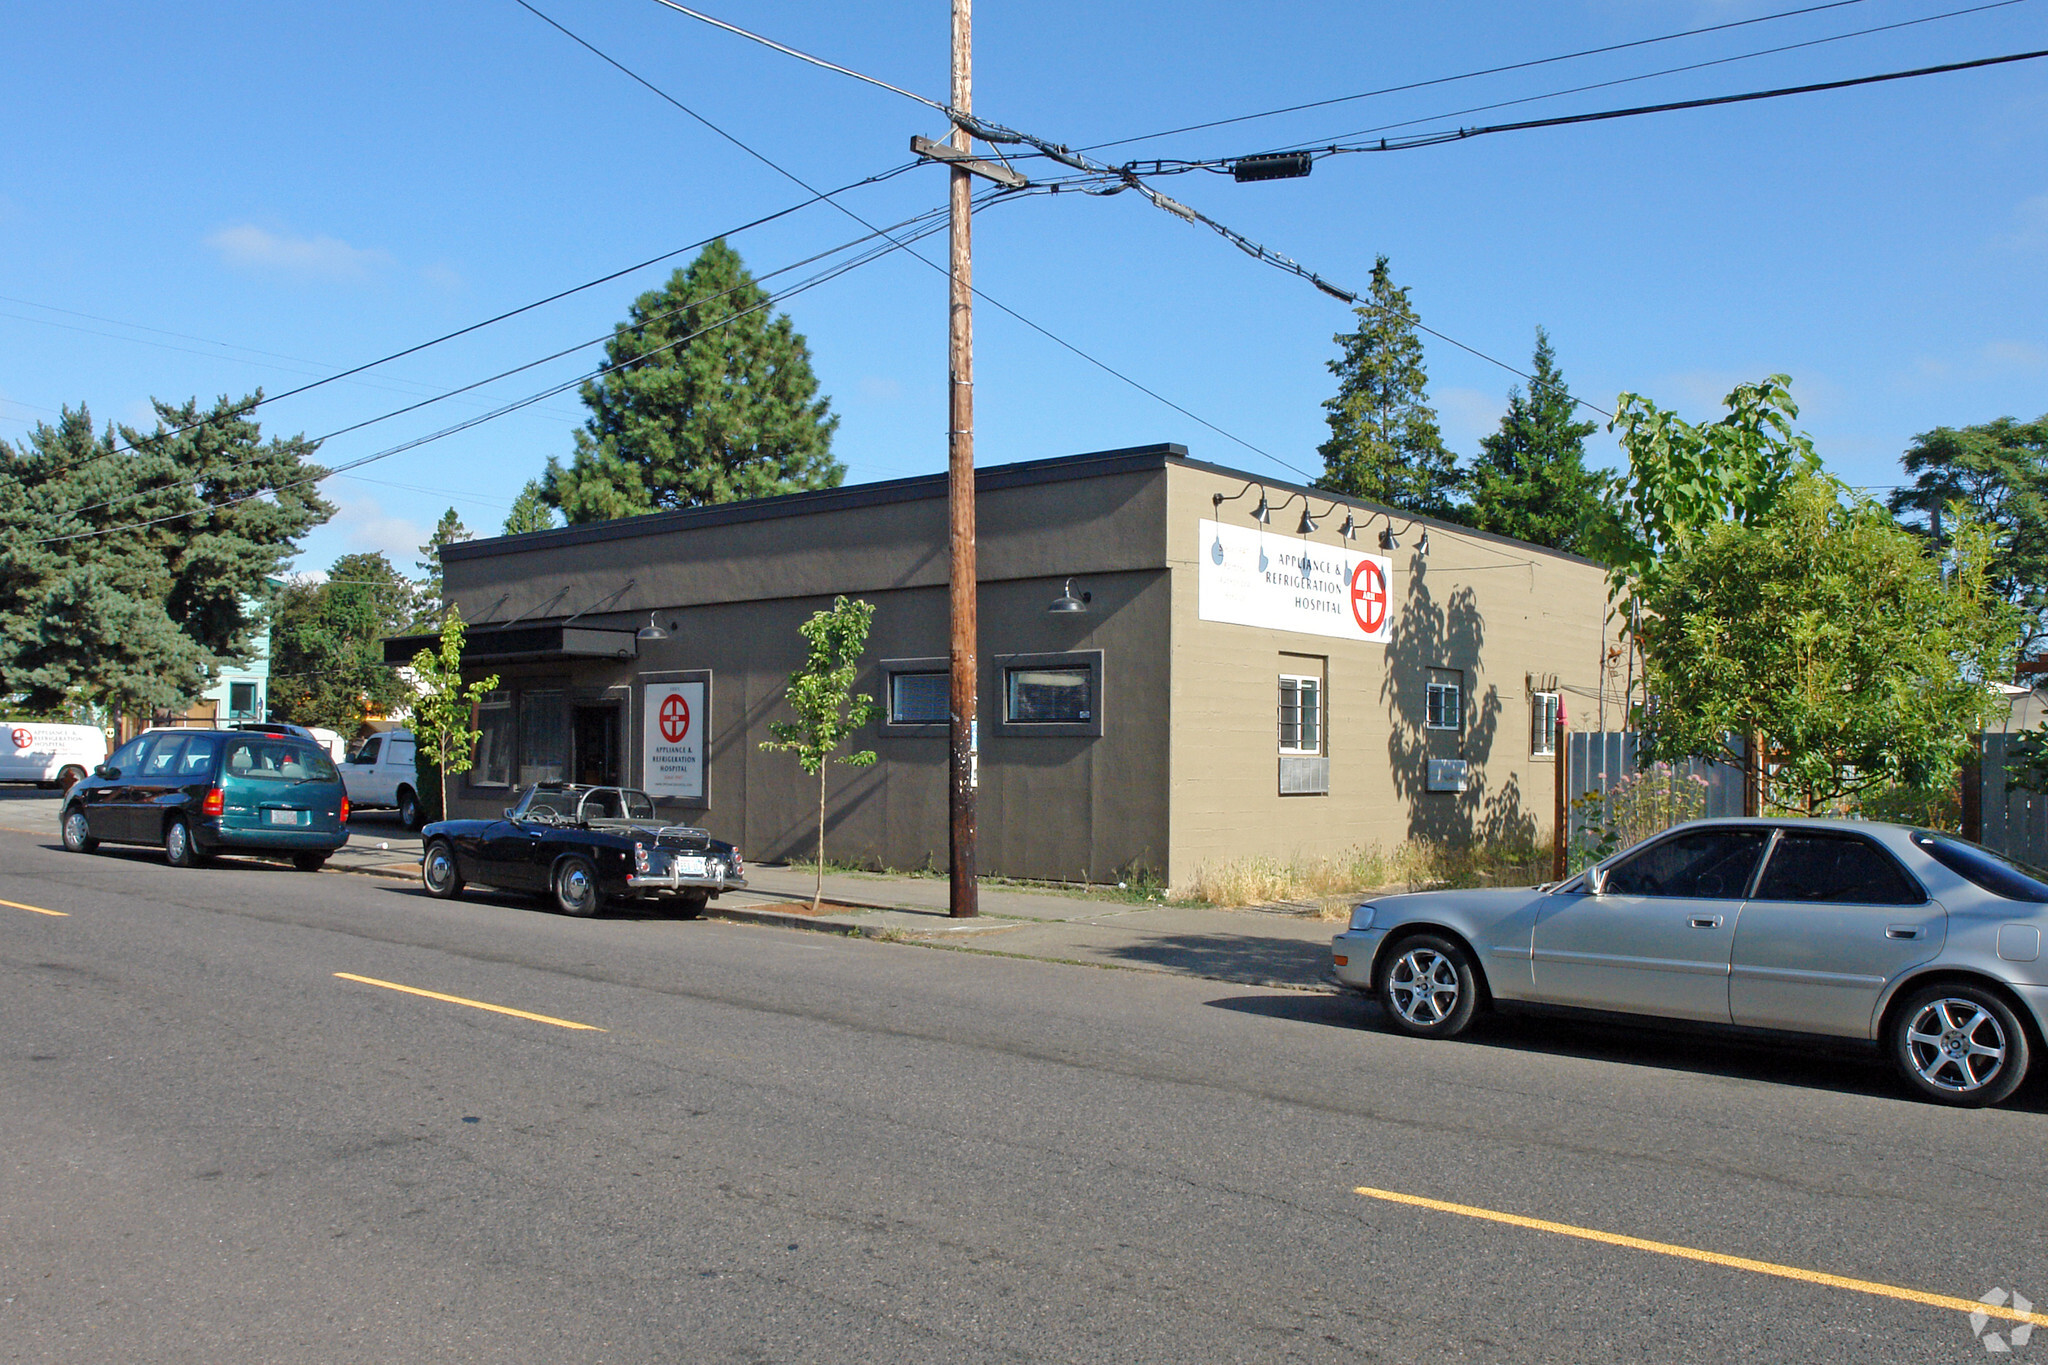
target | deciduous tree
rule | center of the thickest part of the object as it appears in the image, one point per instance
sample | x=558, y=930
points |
x=444, y=734
x=1384, y=443
x=828, y=711
x=327, y=643
x=712, y=399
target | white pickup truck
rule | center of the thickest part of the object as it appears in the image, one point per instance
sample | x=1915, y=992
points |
x=381, y=773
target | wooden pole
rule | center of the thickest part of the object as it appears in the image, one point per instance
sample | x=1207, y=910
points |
x=960, y=484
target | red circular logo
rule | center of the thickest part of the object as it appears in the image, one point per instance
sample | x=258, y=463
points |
x=23, y=739
x=675, y=718
x=1369, y=597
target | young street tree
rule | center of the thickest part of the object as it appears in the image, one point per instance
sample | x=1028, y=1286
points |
x=327, y=643
x=1384, y=443
x=1828, y=633
x=714, y=401
x=133, y=568
x=1999, y=471
x=828, y=711
x=445, y=739
x=1530, y=480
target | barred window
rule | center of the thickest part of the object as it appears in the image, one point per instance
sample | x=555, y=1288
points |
x=1543, y=724
x=1301, y=715
x=1445, y=699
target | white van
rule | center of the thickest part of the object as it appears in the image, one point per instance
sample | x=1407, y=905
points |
x=381, y=773
x=47, y=754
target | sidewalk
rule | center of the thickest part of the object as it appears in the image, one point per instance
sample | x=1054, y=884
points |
x=1274, y=946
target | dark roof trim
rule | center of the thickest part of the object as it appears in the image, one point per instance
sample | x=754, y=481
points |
x=918, y=488
x=1379, y=508
x=528, y=640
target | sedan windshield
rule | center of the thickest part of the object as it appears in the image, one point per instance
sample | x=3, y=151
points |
x=1975, y=863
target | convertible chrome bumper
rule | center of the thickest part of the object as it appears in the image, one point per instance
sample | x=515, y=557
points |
x=672, y=881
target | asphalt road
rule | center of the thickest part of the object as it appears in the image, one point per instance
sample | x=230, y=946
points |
x=793, y=1147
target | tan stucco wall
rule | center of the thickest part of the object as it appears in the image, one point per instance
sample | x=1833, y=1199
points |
x=1495, y=610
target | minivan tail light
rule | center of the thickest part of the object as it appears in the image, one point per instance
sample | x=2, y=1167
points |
x=344, y=810
x=216, y=803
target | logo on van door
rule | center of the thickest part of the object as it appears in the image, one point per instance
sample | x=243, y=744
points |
x=23, y=738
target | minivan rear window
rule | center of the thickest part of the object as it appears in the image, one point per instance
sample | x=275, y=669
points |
x=270, y=758
x=1974, y=863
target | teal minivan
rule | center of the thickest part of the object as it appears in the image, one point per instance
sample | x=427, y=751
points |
x=198, y=793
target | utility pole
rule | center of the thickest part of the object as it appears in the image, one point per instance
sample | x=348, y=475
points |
x=964, y=577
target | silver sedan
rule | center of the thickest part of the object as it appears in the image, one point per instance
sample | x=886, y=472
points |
x=1921, y=942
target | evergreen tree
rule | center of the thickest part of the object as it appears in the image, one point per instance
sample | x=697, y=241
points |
x=1384, y=443
x=530, y=511
x=1530, y=480
x=714, y=401
x=447, y=531
x=131, y=570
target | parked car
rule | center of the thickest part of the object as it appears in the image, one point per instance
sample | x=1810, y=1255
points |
x=203, y=792
x=381, y=773
x=329, y=740
x=49, y=755
x=1926, y=944
x=581, y=846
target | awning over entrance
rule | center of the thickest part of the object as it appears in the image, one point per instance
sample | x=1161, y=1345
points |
x=524, y=642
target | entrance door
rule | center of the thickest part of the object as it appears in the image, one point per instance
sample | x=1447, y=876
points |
x=597, y=746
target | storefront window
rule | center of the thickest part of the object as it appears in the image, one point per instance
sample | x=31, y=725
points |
x=1047, y=696
x=493, y=762
x=920, y=698
x=543, y=737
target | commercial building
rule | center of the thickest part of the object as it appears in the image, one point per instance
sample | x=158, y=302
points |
x=1181, y=664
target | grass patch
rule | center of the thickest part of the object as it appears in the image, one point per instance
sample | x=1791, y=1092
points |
x=1331, y=884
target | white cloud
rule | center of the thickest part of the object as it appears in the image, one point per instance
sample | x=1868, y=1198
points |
x=443, y=277
x=2030, y=226
x=1465, y=415
x=2021, y=355
x=367, y=527
x=253, y=248
x=880, y=389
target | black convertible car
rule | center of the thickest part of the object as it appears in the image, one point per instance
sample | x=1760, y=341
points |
x=582, y=846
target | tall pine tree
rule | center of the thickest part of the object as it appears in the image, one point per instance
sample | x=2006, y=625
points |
x=530, y=511
x=1530, y=480
x=1384, y=443
x=714, y=401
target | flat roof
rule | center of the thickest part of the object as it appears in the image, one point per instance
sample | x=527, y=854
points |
x=920, y=487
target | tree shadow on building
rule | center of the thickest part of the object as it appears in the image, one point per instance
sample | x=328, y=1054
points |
x=1447, y=634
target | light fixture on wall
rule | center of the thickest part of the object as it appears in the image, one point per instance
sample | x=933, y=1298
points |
x=650, y=631
x=1308, y=523
x=1066, y=604
x=1349, y=530
x=1262, y=513
x=1422, y=545
x=1388, y=540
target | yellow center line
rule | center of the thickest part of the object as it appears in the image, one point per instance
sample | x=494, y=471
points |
x=36, y=909
x=473, y=1004
x=1785, y=1272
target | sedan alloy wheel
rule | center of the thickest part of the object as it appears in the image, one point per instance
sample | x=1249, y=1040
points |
x=1960, y=1044
x=1429, y=989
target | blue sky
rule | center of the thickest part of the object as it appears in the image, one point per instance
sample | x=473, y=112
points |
x=200, y=200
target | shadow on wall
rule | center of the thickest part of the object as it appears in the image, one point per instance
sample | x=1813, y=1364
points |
x=1429, y=634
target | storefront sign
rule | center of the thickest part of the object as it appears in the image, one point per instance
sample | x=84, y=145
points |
x=673, y=740
x=1249, y=576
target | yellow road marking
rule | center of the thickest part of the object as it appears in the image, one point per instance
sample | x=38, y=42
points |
x=36, y=909
x=473, y=1004
x=1785, y=1272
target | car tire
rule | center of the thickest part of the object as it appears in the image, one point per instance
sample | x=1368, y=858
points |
x=309, y=862
x=77, y=832
x=576, y=890
x=690, y=905
x=1429, y=987
x=408, y=808
x=1959, y=1044
x=69, y=777
x=179, y=850
x=440, y=874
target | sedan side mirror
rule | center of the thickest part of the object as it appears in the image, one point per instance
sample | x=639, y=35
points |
x=106, y=770
x=1596, y=880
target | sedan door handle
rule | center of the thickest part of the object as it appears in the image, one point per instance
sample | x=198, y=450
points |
x=1706, y=921
x=1903, y=931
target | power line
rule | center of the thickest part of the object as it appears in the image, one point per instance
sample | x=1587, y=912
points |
x=817, y=196
x=786, y=51
x=1472, y=75
x=823, y=277
x=798, y=180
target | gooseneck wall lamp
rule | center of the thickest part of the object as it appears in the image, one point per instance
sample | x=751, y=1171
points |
x=1066, y=604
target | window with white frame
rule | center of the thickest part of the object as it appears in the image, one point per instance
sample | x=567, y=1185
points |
x=1543, y=724
x=1301, y=714
x=1444, y=701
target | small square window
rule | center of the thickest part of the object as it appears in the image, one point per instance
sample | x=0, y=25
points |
x=241, y=700
x=920, y=698
x=1048, y=696
x=1301, y=715
x=1444, y=705
x=1543, y=724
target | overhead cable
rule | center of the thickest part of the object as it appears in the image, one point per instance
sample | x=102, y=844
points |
x=786, y=50
x=1473, y=75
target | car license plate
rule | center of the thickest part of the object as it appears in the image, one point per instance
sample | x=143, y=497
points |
x=689, y=867
x=285, y=817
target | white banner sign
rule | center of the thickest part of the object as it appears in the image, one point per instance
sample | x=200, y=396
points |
x=1250, y=576
x=673, y=740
